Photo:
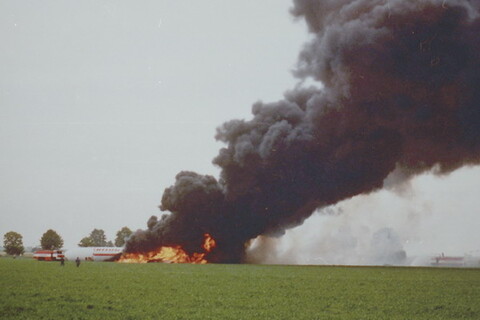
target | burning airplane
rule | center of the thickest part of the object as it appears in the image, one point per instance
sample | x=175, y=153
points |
x=174, y=254
x=400, y=96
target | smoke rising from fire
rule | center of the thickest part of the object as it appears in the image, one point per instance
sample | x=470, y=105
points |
x=431, y=215
x=401, y=96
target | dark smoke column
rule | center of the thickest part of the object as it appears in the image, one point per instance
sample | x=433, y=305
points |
x=401, y=95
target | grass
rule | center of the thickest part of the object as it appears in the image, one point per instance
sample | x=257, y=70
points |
x=45, y=290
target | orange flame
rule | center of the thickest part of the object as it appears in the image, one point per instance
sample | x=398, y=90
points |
x=171, y=254
x=209, y=243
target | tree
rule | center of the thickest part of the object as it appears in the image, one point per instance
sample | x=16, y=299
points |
x=122, y=236
x=96, y=238
x=86, y=242
x=99, y=238
x=13, y=243
x=51, y=240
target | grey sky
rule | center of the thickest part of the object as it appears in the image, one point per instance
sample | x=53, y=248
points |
x=103, y=102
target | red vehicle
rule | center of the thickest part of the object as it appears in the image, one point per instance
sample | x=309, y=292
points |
x=444, y=261
x=48, y=255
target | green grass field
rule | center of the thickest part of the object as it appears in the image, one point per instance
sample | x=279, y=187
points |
x=45, y=290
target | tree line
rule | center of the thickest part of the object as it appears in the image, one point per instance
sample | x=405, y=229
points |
x=51, y=240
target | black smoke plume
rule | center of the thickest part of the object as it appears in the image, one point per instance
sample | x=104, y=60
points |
x=401, y=94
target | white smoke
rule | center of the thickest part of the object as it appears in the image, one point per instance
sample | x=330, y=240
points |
x=426, y=216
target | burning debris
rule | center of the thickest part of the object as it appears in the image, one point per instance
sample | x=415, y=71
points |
x=170, y=254
x=401, y=96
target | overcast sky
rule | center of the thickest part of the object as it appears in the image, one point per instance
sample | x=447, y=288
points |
x=102, y=103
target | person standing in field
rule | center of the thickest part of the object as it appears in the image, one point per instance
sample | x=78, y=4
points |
x=77, y=261
x=62, y=261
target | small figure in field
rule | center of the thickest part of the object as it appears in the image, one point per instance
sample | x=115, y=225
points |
x=62, y=261
x=77, y=261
